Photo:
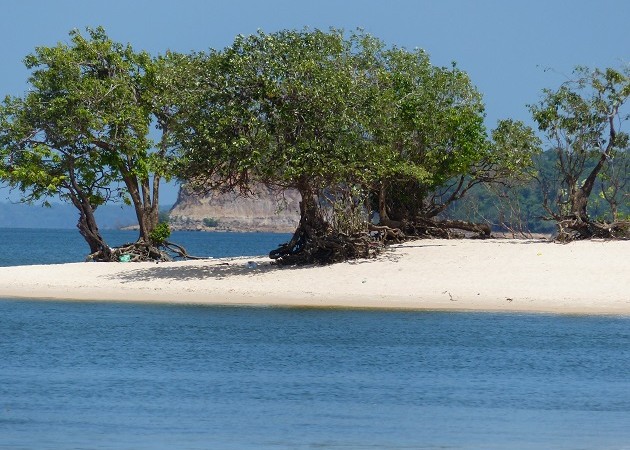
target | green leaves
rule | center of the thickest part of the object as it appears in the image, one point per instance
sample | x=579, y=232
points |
x=160, y=233
x=313, y=110
x=281, y=108
x=83, y=129
x=514, y=145
x=582, y=122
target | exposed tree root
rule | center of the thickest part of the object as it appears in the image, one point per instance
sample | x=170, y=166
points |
x=386, y=234
x=443, y=229
x=142, y=251
x=178, y=251
x=575, y=229
x=310, y=246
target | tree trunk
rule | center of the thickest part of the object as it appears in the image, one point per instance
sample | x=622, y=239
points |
x=579, y=200
x=310, y=214
x=382, y=202
x=147, y=210
x=89, y=230
x=316, y=241
x=87, y=222
x=147, y=221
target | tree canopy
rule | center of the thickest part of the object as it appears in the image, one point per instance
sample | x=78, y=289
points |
x=432, y=118
x=356, y=126
x=281, y=108
x=284, y=109
x=82, y=132
x=583, y=122
x=339, y=116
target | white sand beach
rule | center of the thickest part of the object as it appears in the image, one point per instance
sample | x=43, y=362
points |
x=491, y=275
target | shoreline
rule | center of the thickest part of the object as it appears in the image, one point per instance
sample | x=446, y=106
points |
x=497, y=275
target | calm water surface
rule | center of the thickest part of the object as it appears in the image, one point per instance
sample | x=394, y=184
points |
x=19, y=246
x=129, y=376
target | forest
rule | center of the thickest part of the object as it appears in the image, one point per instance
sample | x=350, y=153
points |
x=381, y=144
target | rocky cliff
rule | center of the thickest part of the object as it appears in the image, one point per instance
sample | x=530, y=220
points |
x=267, y=210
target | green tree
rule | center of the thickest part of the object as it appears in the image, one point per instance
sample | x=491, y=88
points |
x=338, y=117
x=430, y=120
x=283, y=109
x=41, y=162
x=582, y=121
x=82, y=132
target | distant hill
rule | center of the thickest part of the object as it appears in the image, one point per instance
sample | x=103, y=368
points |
x=267, y=211
x=61, y=216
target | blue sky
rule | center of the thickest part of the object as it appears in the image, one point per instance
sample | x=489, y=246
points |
x=504, y=45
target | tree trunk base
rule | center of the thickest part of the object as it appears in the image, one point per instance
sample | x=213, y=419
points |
x=444, y=229
x=142, y=251
x=310, y=246
x=573, y=229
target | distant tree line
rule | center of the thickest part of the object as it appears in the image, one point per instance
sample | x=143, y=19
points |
x=381, y=144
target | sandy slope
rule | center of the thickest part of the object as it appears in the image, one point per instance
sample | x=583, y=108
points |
x=494, y=275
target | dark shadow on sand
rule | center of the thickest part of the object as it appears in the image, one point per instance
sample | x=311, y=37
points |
x=222, y=270
x=195, y=272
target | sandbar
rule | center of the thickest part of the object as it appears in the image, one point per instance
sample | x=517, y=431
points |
x=497, y=275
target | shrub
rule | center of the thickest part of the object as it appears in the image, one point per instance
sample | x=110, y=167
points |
x=210, y=222
x=160, y=233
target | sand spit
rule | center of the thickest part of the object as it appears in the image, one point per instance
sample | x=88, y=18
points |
x=491, y=275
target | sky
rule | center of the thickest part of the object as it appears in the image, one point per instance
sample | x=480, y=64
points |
x=511, y=49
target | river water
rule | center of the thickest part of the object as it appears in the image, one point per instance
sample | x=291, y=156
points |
x=113, y=376
x=43, y=246
x=79, y=375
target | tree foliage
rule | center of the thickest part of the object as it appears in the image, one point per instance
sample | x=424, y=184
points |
x=341, y=118
x=82, y=132
x=583, y=122
x=284, y=109
x=281, y=108
x=433, y=121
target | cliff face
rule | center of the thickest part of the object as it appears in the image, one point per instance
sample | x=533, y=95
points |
x=267, y=211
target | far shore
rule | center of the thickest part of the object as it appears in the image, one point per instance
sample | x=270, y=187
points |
x=498, y=275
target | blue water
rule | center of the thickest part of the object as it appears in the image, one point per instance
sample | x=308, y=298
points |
x=42, y=246
x=130, y=376
x=116, y=376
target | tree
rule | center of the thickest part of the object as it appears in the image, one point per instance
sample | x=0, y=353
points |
x=582, y=121
x=340, y=117
x=82, y=132
x=283, y=109
x=43, y=164
x=431, y=119
x=614, y=189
